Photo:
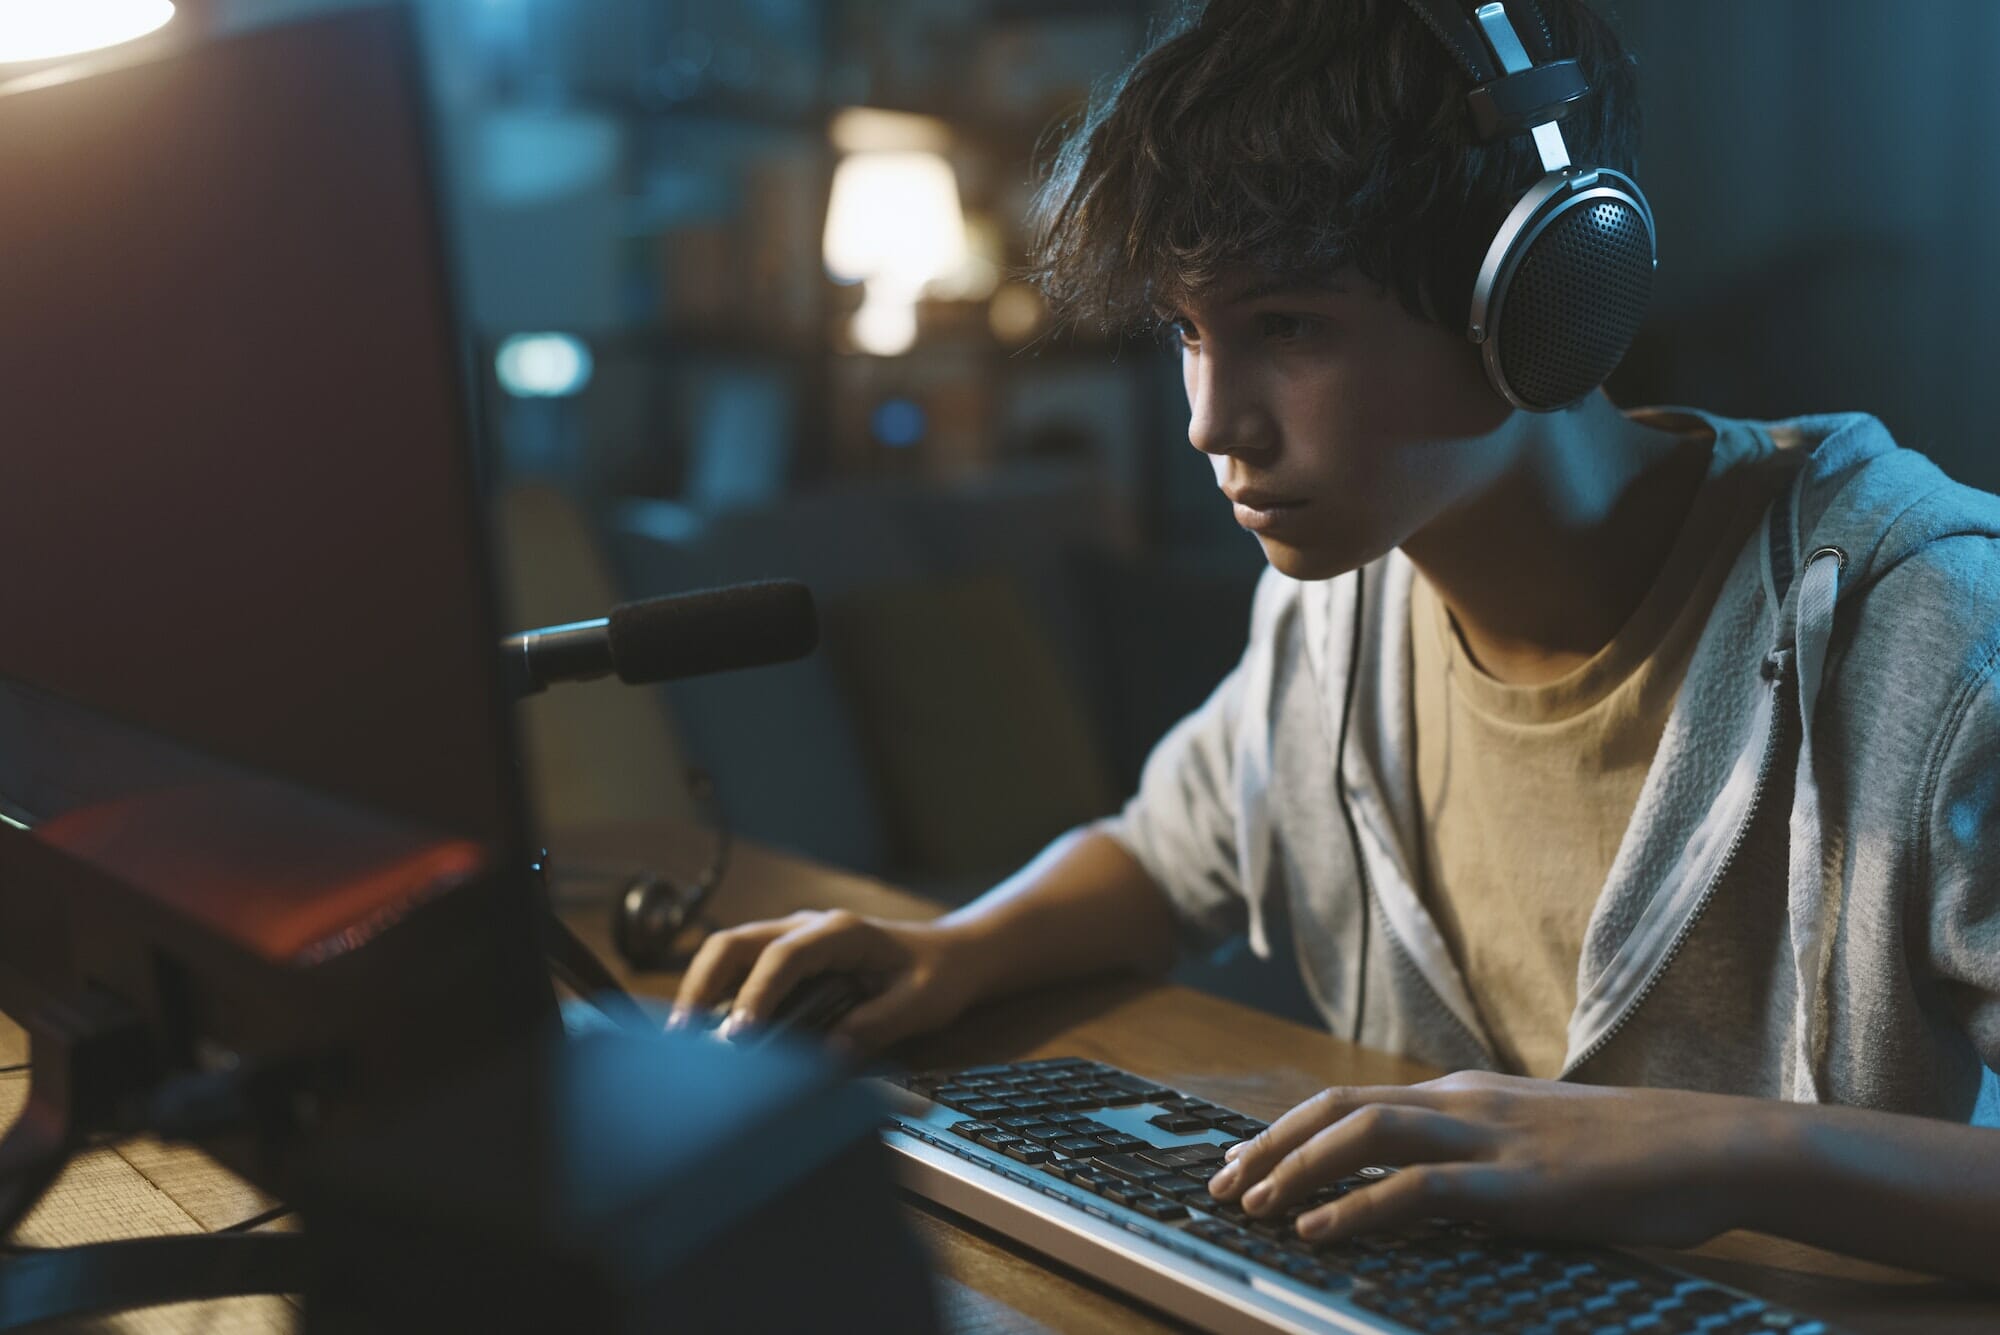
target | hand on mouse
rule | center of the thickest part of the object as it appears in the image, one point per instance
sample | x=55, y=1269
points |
x=916, y=973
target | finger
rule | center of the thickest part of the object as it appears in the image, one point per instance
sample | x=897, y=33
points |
x=1379, y=1133
x=830, y=941
x=721, y=963
x=1427, y=1191
x=1249, y=1160
x=1252, y=1159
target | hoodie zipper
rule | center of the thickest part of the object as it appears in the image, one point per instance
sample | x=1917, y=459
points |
x=1778, y=665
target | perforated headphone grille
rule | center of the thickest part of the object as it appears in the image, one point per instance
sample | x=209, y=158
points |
x=1574, y=303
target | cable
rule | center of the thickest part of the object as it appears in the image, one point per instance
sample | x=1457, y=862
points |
x=1347, y=812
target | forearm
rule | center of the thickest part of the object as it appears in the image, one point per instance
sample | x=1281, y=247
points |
x=1903, y=1190
x=1083, y=906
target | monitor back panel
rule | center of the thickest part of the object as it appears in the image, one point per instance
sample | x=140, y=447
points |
x=236, y=502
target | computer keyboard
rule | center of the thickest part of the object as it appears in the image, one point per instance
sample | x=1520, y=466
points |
x=1022, y=1145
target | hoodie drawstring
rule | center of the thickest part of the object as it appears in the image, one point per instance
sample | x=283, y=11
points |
x=1813, y=911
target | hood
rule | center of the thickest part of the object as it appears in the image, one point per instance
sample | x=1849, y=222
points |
x=1856, y=507
x=1860, y=508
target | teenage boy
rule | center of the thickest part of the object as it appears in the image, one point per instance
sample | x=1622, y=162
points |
x=1650, y=758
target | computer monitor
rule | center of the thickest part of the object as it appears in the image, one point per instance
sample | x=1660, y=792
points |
x=257, y=784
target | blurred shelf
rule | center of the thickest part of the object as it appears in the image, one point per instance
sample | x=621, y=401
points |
x=713, y=109
x=722, y=342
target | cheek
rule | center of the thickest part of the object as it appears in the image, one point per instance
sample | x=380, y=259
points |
x=1432, y=387
x=1392, y=448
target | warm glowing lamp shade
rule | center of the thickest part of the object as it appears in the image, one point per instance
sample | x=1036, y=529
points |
x=46, y=29
x=894, y=215
x=893, y=222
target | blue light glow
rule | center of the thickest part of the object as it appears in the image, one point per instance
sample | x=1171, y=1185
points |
x=898, y=423
x=543, y=366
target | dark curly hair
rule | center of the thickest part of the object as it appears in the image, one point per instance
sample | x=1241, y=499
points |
x=1297, y=137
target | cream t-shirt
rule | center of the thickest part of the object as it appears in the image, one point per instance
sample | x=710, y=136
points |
x=1526, y=790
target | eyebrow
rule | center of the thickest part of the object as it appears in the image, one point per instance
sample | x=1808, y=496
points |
x=1280, y=286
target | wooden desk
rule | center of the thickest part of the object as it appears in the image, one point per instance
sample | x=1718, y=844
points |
x=1225, y=1052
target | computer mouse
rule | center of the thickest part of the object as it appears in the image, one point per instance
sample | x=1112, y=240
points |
x=810, y=1009
x=816, y=1005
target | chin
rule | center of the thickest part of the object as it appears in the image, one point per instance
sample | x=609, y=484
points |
x=1311, y=563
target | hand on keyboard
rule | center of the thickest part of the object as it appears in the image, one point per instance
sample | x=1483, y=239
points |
x=1550, y=1158
x=911, y=976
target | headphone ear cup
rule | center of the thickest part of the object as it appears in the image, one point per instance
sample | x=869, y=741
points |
x=646, y=920
x=1563, y=301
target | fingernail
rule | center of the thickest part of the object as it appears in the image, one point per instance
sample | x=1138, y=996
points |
x=1234, y=1150
x=737, y=1022
x=1223, y=1181
x=1313, y=1225
x=1257, y=1197
x=677, y=1017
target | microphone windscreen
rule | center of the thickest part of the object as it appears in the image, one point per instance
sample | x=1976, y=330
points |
x=718, y=630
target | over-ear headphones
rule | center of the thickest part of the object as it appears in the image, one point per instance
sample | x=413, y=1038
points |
x=651, y=911
x=1566, y=280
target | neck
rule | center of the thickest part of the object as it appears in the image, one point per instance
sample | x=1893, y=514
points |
x=1542, y=565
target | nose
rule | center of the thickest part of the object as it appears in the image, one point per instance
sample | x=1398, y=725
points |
x=1225, y=416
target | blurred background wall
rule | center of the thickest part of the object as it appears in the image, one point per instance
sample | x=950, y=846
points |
x=726, y=326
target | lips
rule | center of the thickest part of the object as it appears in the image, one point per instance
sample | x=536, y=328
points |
x=1259, y=511
x=1261, y=500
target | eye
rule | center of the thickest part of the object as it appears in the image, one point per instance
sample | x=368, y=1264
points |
x=1179, y=332
x=1288, y=328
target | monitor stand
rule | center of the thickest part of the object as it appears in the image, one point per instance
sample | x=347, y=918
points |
x=92, y=1071
x=91, y=1067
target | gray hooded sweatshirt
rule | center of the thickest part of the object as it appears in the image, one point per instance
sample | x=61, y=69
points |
x=1806, y=903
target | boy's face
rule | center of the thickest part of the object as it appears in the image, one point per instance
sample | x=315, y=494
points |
x=1338, y=424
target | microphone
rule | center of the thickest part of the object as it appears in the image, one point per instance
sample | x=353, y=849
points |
x=666, y=639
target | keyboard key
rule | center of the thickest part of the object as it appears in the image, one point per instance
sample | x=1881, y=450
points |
x=1019, y=1120
x=1136, y=1085
x=971, y=1129
x=1029, y=1104
x=1159, y=1207
x=1241, y=1127
x=997, y=1140
x=1240, y=1242
x=1043, y=1134
x=983, y=1107
x=1178, y=1124
x=1080, y=1145
x=1178, y=1186
x=1120, y=1143
x=1130, y=1166
x=1026, y=1153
